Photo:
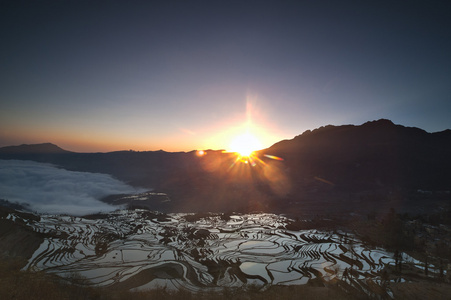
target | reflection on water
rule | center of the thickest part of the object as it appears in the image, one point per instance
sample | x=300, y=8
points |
x=139, y=249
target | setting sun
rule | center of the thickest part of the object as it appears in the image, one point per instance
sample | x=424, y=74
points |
x=245, y=144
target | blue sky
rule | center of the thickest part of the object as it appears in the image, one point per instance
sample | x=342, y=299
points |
x=185, y=75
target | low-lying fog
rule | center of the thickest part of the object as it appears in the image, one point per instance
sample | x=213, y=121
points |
x=48, y=189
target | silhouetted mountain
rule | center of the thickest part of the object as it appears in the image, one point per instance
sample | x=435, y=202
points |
x=373, y=166
x=372, y=154
x=45, y=148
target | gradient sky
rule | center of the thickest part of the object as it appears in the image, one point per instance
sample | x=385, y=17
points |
x=178, y=76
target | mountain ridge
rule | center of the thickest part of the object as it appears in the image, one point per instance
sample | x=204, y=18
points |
x=48, y=147
x=370, y=126
x=321, y=170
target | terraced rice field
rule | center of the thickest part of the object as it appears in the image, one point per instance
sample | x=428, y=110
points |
x=140, y=249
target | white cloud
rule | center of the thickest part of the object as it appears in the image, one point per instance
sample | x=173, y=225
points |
x=49, y=189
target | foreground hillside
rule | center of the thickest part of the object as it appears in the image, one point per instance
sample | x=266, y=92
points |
x=334, y=169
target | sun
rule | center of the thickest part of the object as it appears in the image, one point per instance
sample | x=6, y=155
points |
x=245, y=144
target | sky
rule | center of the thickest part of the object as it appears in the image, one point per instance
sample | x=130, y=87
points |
x=45, y=188
x=95, y=76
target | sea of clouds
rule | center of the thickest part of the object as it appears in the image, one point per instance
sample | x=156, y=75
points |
x=48, y=189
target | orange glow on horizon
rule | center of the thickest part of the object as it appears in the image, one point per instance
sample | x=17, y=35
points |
x=244, y=131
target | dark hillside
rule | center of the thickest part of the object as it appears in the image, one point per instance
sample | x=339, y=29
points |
x=18, y=239
x=374, y=154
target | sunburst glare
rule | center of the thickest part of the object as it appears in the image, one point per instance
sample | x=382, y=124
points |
x=245, y=144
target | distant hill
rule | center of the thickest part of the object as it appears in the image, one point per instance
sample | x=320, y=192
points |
x=365, y=168
x=45, y=148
